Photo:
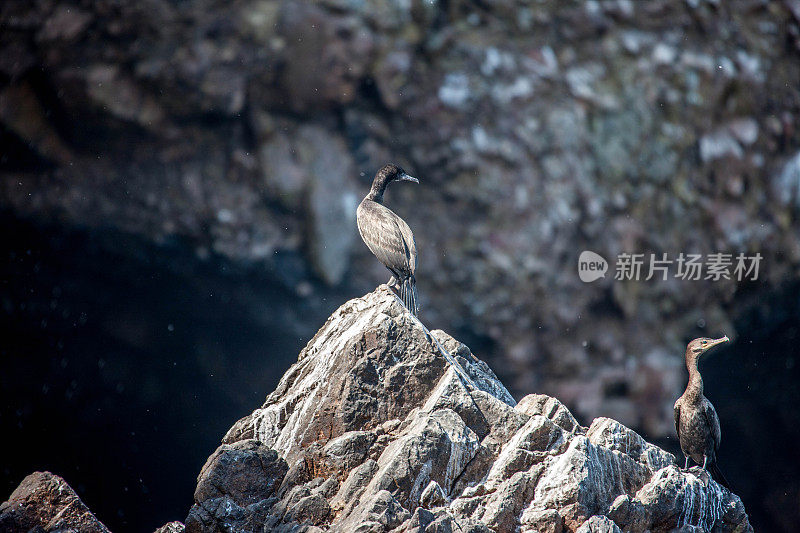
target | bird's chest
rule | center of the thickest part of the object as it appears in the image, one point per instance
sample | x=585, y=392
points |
x=695, y=436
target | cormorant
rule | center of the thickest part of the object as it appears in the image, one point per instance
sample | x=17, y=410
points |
x=388, y=236
x=696, y=421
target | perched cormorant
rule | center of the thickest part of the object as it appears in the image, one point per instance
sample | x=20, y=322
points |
x=696, y=421
x=388, y=236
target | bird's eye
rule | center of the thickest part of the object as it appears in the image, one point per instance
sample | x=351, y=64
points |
x=704, y=343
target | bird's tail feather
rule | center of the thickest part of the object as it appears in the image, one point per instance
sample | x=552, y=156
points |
x=408, y=293
x=716, y=473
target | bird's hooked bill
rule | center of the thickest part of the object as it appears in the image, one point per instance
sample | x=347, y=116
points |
x=722, y=339
x=406, y=177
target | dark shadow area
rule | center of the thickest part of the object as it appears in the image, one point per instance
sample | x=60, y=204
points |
x=122, y=373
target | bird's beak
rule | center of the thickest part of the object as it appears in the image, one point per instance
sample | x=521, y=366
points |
x=406, y=177
x=718, y=341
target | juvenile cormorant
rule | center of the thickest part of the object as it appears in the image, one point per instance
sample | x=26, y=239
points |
x=696, y=421
x=388, y=236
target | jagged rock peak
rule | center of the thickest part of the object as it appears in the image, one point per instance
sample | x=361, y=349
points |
x=45, y=502
x=380, y=426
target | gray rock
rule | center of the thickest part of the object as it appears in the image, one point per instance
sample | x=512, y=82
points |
x=439, y=521
x=745, y=130
x=629, y=513
x=442, y=451
x=332, y=202
x=378, y=512
x=433, y=496
x=308, y=168
x=350, y=378
x=585, y=479
x=352, y=488
x=328, y=488
x=418, y=521
x=349, y=450
x=676, y=499
x=247, y=471
x=434, y=447
x=787, y=186
x=614, y=436
x=541, y=404
x=237, y=485
x=500, y=509
x=599, y=524
x=531, y=444
x=65, y=24
x=717, y=145
x=313, y=509
x=171, y=527
x=541, y=521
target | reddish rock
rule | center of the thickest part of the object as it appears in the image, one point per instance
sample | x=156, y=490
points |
x=44, y=502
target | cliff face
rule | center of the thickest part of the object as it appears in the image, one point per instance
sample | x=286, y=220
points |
x=249, y=129
x=374, y=429
x=383, y=426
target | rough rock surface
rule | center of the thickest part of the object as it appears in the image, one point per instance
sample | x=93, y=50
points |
x=538, y=130
x=43, y=502
x=171, y=527
x=373, y=430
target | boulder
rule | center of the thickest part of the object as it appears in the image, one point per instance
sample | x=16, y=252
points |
x=45, y=502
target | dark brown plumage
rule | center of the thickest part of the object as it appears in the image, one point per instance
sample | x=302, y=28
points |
x=388, y=236
x=696, y=421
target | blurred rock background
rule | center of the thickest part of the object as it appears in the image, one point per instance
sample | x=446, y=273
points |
x=178, y=190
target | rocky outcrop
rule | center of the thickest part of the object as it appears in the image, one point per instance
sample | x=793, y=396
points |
x=43, y=502
x=384, y=426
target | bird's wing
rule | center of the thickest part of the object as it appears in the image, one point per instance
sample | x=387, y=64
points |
x=677, y=410
x=411, y=244
x=712, y=422
x=387, y=236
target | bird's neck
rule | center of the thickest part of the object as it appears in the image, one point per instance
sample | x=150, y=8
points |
x=378, y=188
x=694, y=390
x=376, y=194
